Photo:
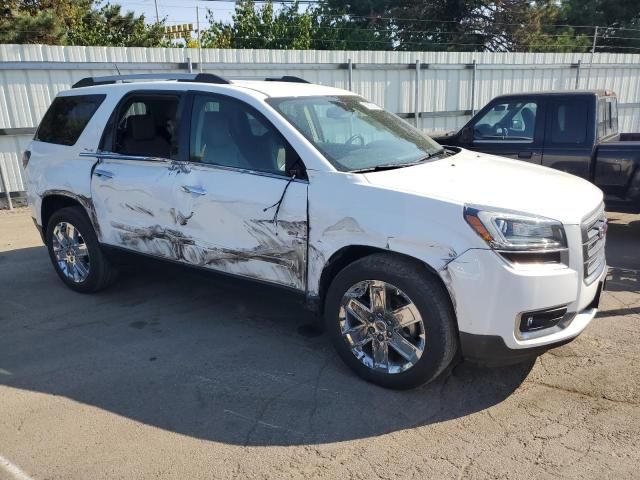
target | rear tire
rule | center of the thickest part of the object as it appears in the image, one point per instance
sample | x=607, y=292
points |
x=417, y=324
x=75, y=252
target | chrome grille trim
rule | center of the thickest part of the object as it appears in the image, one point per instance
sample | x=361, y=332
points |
x=594, y=230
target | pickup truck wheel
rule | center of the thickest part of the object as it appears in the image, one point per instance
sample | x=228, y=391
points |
x=75, y=252
x=391, y=321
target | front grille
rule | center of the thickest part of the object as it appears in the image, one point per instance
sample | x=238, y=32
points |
x=594, y=231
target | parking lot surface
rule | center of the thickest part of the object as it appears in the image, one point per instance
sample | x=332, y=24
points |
x=173, y=373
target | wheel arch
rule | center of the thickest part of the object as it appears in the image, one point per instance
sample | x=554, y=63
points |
x=351, y=253
x=54, y=200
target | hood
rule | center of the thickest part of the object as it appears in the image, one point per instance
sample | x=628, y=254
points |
x=497, y=182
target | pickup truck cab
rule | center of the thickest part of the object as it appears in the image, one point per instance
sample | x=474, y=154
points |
x=413, y=253
x=576, y=132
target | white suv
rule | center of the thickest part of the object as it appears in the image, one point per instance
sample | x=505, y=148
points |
x=413, y=253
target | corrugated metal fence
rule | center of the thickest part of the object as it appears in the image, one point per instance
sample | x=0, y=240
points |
x=443, y=88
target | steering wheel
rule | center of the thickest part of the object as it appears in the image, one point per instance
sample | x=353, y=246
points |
x=355, y=137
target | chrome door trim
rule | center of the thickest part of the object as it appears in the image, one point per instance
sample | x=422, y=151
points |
x=119, y=156
x=246, y=170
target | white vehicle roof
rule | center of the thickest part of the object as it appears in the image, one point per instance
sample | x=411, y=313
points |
x=256, y=88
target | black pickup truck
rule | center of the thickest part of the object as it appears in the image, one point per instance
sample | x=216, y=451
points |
x=576, y=132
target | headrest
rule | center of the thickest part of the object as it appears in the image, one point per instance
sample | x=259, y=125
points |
x=142, y=127
x=215, y=130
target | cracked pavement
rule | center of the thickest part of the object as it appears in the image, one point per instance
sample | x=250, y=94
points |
x=173, y=373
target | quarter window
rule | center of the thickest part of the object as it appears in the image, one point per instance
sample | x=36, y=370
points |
x=67, y=118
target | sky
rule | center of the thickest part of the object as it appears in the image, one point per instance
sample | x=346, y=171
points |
x=179, y=11
x=182, y=11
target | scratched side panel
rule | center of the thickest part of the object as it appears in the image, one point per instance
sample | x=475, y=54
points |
x=233, y=228
x=138, y=197
x=345, y=210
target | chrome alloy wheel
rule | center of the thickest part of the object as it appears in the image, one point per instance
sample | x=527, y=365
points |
x=71, y=252
x=382, y=326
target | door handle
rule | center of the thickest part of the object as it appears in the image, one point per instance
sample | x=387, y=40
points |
x=193, y=189
x=527, y=154
x=103, y=173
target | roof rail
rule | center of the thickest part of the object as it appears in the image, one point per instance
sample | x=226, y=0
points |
x=287, y=78
x=180, y=77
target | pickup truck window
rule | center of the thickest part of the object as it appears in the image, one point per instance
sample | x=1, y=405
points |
x=66, y=118
x=607, y=117
x=354, y=134
x=569, y=121
x=507, y=122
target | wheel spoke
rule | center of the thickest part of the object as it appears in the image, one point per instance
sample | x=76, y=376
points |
x=357, y=336
x=378, y=295
x=59, y=235
x=81, y=270
x=81, y=250
x=405, y=348
x=380, y=355
x=358, y=310
x=407, y=315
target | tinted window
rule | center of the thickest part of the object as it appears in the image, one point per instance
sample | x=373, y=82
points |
x=514, y=121
x=147, y=126
x=569, y=122
x=607, y=117
x=67, y=118
x=228, y=132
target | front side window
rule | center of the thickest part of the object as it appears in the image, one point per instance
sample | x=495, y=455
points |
x=147, y=126
x=227, y=132
x=67, y=118
x=511, y=121
x=354, y=134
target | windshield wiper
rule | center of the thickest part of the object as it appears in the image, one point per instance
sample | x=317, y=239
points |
x=392, y=166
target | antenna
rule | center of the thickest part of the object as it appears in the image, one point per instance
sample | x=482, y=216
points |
x=117, y=69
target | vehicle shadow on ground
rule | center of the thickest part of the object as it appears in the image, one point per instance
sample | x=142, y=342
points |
x=208, y=357
x=623, y=255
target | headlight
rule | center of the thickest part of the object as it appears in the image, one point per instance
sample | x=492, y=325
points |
x=511, y=232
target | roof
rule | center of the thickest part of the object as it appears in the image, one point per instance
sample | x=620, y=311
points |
x=597, y=92
x=273, y=87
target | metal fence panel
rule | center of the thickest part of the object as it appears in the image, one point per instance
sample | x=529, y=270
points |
x=32, y=75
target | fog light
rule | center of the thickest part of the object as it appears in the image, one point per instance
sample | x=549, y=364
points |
x=532, y=321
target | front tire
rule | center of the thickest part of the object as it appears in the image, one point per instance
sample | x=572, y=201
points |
x=75, y=252
x=391, y=321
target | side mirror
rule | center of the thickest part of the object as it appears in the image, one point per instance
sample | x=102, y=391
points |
x=466, y=135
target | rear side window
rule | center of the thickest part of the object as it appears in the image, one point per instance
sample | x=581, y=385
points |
x=67, y=118
x=569, y=125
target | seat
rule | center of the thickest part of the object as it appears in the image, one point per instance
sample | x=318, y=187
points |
x=141, y=138
x=529, y=120
x=217, y=145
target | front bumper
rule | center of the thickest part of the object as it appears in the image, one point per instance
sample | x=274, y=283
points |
x=490, y=297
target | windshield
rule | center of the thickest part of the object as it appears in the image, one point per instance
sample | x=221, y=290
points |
x=354, y=134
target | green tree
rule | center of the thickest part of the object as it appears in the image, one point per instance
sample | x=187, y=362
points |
x=263, y=26
x=75, y=22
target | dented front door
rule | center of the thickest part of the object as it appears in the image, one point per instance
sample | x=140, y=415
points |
x=231, y=223
x=133, y=199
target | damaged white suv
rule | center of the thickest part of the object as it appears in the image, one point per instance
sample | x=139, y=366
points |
x=414, y=253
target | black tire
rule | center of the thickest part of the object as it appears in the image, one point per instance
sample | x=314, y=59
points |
x=428, y=295
x=101, y=271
